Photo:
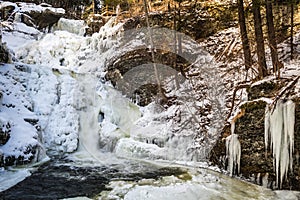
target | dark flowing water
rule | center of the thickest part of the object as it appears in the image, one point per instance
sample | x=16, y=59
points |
x=59, y=179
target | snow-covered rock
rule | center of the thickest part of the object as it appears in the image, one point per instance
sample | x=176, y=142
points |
x=39, y=16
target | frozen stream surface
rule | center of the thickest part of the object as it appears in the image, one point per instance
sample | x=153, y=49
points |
x=128, y=179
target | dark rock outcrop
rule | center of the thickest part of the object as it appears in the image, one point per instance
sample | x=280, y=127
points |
x=5, y=129
x=256, y=161
x=137, y=58
x=4, y=55
x=42, y=20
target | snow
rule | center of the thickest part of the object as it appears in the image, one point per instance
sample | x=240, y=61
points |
x=16, y=106
x=279, y=129
x=29, y=7
x=20, y=37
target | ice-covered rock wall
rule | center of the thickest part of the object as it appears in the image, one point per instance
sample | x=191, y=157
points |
x=77, y=107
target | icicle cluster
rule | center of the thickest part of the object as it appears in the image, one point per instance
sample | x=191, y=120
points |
x=233, y=151
x=279, y=129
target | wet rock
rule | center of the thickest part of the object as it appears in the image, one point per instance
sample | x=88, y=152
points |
x=1, y=97
x=95, y=22
x=5, y=130
x=4, y=55
x=31, y=121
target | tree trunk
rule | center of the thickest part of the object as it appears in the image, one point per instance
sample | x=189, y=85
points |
x=272, y=36
x=292, y=31
x=260, y=48
x=179, y=29
x=162, y=96
x=0, y=33
x=244, y=35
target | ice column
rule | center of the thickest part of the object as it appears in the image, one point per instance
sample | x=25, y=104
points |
x=279, y=134
x=233, y=151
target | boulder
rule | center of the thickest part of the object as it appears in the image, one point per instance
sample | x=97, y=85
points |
x=42, y=20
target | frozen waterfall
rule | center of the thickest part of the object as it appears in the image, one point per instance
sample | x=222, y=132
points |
x=279, y=134
x=233, y=151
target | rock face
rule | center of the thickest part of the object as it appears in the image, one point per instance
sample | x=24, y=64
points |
x=197, y=22
x=257, y=161
x=135, y=58
x=4, y=131
x=4, y=55
x=39, y=16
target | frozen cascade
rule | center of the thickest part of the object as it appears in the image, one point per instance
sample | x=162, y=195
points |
x=125, y=129
x=105, y=118
x=88, y=116
x=73, y=26
x=233, y=151
x=279, y=134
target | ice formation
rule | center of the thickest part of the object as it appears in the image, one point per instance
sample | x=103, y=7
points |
x=70, y=25
x=233, y=151
x=63, y=84
x=279, y=134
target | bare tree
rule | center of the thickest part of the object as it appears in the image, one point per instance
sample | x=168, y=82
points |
x=272, y=36
x=292, y=31
x=260, y=48
x=244, y=35
x=160, y=90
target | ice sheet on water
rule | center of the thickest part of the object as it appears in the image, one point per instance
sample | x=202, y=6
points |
x=9, y=178
x=201, y=184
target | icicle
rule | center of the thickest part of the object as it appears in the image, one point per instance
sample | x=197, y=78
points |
x=279, y=127
x=233, y=149
x=289, y=128
x=265, y=180
x=267, y=128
